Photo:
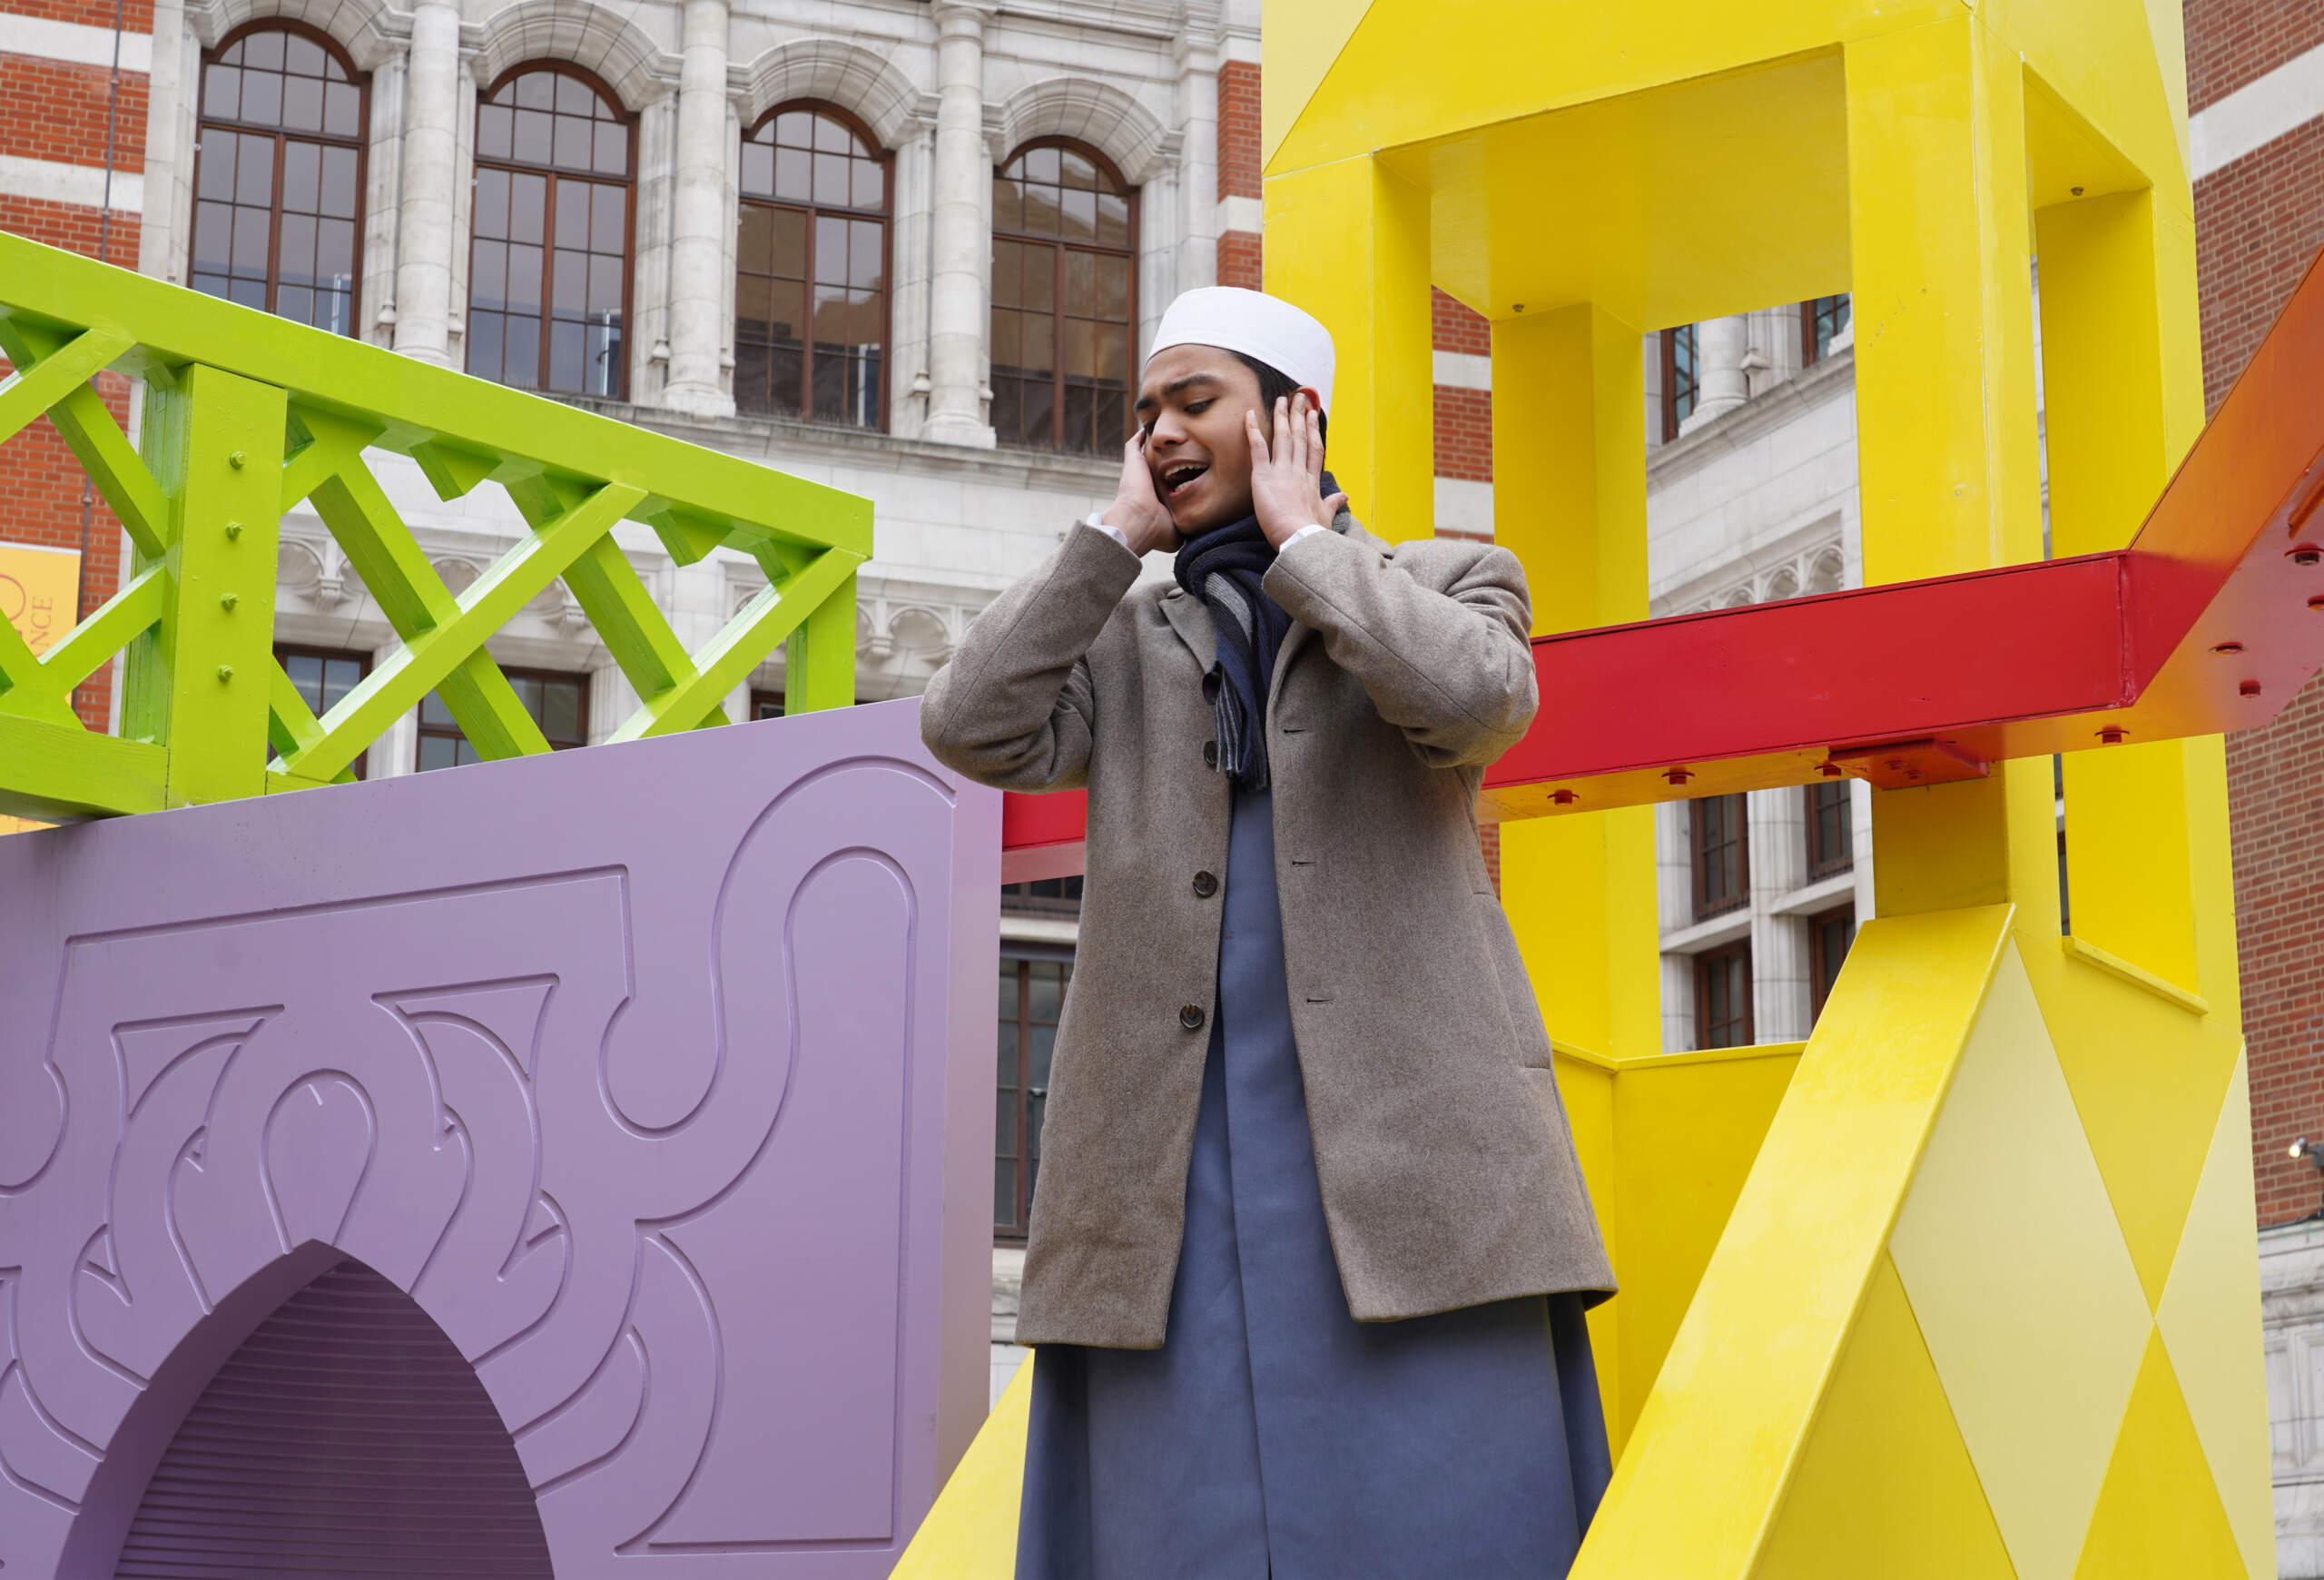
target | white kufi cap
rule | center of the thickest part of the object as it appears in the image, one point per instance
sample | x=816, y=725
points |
x=1257, y=325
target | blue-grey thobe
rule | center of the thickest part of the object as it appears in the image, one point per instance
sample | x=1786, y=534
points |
x=1272, y=1434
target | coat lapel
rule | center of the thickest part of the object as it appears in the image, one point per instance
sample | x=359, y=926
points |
x=1347, y=526
x=1190, y=618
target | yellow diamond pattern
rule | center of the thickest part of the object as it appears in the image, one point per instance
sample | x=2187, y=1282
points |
x=2210, y=1327
x=2009, y=1250
x=2159, y=1514
x=1885, y=1486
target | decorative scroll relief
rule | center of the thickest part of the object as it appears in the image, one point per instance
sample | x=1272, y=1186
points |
x=642, y=1147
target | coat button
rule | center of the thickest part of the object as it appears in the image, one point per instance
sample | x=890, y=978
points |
x=1190, y=1017
x=1210, y=753
x=1206, y=885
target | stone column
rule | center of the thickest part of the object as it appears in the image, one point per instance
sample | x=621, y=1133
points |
x=1674, y=893
x=1194, y=204
x=1779, y=990
x=909, y=385
x=1724, y=383
x=382, y=203
x=959, y=312
x=426, y=237
x=697, y=244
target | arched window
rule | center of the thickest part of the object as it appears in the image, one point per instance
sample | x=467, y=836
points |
x=278, y=175
x=548, y=274
x=811, y=269
x=1064, y=299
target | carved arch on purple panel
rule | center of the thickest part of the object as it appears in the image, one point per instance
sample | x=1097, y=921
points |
x=559, y=1112
x=343, y=1436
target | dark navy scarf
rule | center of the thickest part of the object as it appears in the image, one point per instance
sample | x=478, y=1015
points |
x=1223, y=567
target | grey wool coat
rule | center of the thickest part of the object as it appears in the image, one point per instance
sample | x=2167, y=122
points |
x=1447, y=1167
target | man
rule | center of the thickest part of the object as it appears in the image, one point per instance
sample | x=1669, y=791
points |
x=1309, y=1251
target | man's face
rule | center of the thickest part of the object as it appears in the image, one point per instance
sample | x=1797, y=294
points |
x=1191, y=409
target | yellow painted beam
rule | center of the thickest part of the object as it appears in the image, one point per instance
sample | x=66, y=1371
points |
x=1568, y=463
x=1943, y=302
x=971, y=1532
x=1700, y=1479
x=1349, y=243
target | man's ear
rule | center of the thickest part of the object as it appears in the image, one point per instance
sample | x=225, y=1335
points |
x=1315, y=402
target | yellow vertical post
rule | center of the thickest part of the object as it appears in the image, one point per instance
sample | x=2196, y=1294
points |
x=1569, y=500
x=1948, y=458
x=1941, y=250
x=1349, y=243
x=1568, y=463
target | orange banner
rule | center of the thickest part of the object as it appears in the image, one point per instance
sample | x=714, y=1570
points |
x=39, y=589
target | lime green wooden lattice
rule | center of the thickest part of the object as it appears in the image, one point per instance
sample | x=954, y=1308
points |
x=247, y=416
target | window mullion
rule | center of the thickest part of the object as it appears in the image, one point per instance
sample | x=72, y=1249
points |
x=807, y=329
x=274, y=226
x=547, y=284
x=1024, y=1194
x=1057, y=346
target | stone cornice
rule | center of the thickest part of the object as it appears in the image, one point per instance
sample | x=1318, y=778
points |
x=1832, y=379
x=1155, y=20
x=762, y=438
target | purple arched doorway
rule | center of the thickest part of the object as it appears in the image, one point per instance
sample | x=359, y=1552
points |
x=346, y=1436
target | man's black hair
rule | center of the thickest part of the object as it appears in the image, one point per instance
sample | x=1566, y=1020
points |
x=1274, y=385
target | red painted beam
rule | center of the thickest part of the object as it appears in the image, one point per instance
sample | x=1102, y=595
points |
x=1041, y=835
x=2210, y=621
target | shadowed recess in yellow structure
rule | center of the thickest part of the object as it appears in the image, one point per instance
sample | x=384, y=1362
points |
x=1685, y=1138
x=1613, y=236
x=1884, y=1486
x=2159, y=1513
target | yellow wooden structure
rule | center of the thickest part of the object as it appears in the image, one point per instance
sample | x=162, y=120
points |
x=1968, y=1286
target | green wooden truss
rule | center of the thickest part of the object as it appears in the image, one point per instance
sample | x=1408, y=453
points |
x=247, y=416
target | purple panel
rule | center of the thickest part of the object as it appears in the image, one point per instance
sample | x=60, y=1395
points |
x=658, y=1075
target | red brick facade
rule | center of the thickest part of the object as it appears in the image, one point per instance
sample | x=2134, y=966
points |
x=2233, y=43
x=42, y=505
x=54, y=112
x=1458, y=328
x=61, y=113
x=2274, y=775
x=2258, y=223
x=73, y=227
x=1465, y=433
x=1463, y=415
x=1238, y=259
x=136, y=16
x=1239, y=168
x=1238, y=129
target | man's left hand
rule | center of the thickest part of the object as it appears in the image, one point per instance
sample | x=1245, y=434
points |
x=1286, y=477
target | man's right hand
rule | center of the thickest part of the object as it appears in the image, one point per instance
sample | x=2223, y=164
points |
x=1136, y=512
